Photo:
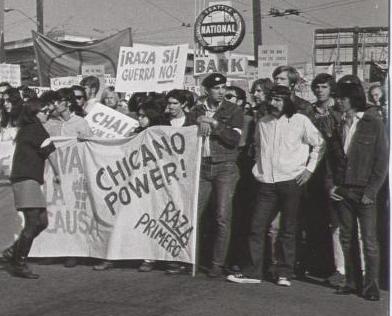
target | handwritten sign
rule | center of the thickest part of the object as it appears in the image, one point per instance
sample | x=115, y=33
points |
x=145, y=68
x=10, y=73
x=64, y=82
x=108, y=123
x=270, y=57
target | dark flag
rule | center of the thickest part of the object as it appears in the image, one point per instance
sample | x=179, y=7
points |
x=56, y=59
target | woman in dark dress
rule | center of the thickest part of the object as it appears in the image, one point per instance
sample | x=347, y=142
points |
x=26, y=178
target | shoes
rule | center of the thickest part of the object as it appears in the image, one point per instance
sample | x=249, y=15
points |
x=215, y=272
x=146, y=266
x=372, y=293
x=336, y=279
x=71, y=262
x=176, y=269
x=21, y=270
x=242, y=279
x=8, y=254
x=104, y=265
x=283, y=281
x=345, y=290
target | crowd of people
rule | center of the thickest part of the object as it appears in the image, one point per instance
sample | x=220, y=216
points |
x=286, y=187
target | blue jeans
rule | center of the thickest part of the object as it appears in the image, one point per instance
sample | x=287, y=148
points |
x=273, y=197
x=217, y=182
x=349, y=211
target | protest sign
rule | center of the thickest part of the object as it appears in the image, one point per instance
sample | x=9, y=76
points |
x=145, y=68
x=39, y=90
x=270, y=57
x=110, y=81
x=64, y=82
x=10, y=73
x=108, y=123
x=232, y=65
x=129, y=198
x=96, y=71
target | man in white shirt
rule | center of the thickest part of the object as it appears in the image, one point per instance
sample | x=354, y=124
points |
x=288, y=148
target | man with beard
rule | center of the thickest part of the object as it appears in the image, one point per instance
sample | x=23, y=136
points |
x=288, y=148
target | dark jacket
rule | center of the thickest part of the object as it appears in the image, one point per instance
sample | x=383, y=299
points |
x=303, y=107
x=189, y=120
x=29, y=158
x=224, y=139
x=366, y=163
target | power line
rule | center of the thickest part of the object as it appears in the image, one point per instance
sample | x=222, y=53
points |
x=289, y=40
x=333, y=6
x=164, y=10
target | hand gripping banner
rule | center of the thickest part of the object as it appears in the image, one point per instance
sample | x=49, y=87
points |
x=129, y=198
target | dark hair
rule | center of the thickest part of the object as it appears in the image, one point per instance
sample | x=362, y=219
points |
x=68, y=94
x=91, y=82
x=28, y=115
x=79, y=88
x=27, y=93
x=355, y=93
x=48, y=97
x=350, y=79
x=241, y=94
x=177, y=94
x=152, y=112
x=324, y=78
x=16, y=108
x=190, y=99
x=265, y=84
x=5, y=84
x=289, y=108
x=135, y=101
x=292, y=74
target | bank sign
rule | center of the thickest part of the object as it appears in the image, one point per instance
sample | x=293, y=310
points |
x=219, y=28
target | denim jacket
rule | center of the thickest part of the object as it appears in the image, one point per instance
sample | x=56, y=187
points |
x=366, y=163
x=224, y=139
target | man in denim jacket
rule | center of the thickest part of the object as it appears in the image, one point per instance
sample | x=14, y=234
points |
x=220, y=124
x=359, y=164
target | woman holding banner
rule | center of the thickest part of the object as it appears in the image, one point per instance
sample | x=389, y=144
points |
x=27, y=177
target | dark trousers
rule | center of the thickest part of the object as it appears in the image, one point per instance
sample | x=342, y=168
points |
x=36, y=220
x=217, y=182
x=271, y=198
x=349, y=211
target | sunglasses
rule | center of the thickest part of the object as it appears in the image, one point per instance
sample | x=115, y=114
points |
x=230, y=96
x=78, y=97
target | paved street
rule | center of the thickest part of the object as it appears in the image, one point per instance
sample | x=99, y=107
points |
x=124, y=291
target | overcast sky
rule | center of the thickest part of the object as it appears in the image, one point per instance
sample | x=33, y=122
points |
x=159, y=21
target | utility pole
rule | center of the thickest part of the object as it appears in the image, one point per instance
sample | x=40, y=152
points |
x=2, y=48
x=256, y=28
x=40, y=16
x=355, y=50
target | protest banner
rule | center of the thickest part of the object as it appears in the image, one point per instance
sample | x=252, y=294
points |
x=64, y=82
x=270, y=57
x=39, y=90
x=108, y=123
x=125, y=198
x=232, y=65
x=6, y=154
x=145, y=68
x=10, y=73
